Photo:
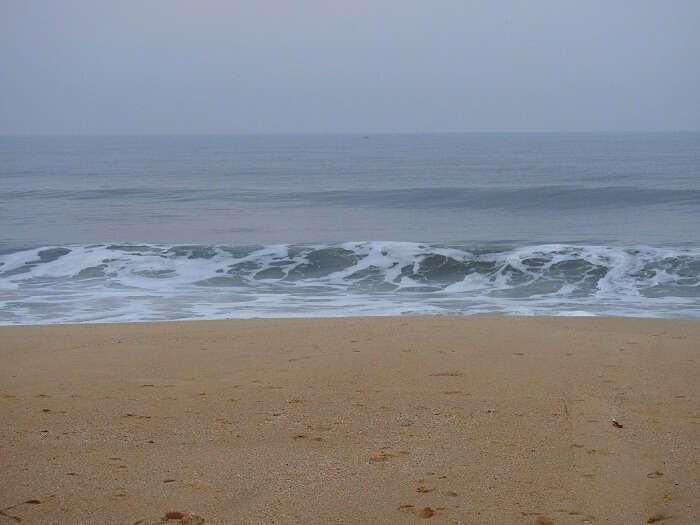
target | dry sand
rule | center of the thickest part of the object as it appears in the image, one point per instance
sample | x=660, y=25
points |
x=369, y=420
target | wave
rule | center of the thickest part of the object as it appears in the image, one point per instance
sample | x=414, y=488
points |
x=511, y=198
x=547, y=197
x=128, y=282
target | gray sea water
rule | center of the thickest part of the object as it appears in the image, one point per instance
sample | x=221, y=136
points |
x=130, y=228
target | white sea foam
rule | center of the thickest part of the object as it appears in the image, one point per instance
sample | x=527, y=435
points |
x=99, y=283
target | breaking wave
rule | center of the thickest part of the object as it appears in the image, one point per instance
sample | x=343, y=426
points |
x=124, y=282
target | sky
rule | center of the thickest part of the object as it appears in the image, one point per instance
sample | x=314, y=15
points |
x=361, y=66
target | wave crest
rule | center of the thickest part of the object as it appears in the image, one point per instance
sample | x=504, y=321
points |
x=116, y=282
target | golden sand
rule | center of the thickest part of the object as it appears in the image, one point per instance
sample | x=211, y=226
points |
x=365, y=420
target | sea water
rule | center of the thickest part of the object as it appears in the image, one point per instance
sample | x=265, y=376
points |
x=135, y=228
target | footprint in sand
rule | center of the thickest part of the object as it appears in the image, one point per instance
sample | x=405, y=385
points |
x=658, y=517
x=386, y=456
x=425, y=512
x=129, y=414
x=299, y=358
x=14, y=518
x=381, y=458
x=182, y=518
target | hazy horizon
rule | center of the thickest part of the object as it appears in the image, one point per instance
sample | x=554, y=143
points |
x=357, y=133
x=211, y=68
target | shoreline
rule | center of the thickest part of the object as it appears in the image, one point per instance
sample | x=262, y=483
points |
x=350, y=317
x=467, y=419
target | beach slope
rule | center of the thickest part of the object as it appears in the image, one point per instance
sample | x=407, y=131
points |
x=371, y=420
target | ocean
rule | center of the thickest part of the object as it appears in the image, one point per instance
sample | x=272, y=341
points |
x=144, y=228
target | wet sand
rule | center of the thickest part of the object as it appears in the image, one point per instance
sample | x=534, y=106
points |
x=366, y=420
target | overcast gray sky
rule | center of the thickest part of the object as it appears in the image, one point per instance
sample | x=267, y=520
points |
x=204, y=66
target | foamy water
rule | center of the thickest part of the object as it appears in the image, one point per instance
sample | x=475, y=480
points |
x=222, y=227
x=61, y=284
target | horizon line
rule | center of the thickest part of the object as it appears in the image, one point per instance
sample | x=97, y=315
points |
x=346, y=133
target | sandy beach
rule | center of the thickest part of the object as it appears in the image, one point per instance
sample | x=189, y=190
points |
x=366, y=420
